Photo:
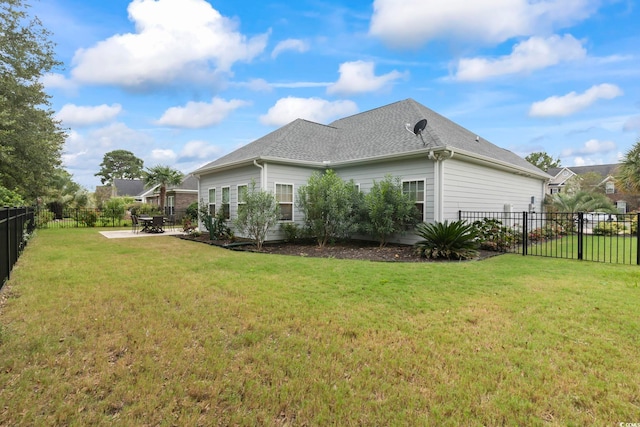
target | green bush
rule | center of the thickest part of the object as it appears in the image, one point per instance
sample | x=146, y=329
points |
x=291, y=231
x=493, y=236
x=608, y=228
x=192, y=212
x=43, y=217
x=444, y=240
x=88, y=218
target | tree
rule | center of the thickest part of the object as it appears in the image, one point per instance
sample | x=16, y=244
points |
x=327, y=203
x=388, y=209
x=163, y=176
x=542, y=160
x=120, y=164
x=582, y=201
x=259, y=213
x=31, y=140
x=629, y=174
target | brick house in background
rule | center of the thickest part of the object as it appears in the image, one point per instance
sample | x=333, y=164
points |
x=563, y=177
x=179, y=197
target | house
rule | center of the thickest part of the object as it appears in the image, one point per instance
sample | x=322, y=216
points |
x=444, y=167
x=120, y=188
x=178, y=197
x=565, y=178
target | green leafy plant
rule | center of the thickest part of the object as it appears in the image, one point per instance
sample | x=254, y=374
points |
x=88, y=217
x=388, y=210
x=608, y=228
x=329, y=207
x=494, y=236
x=215, y=225
x=291, y=231
x=43, y=217
x=259, y=213
x=447, y=240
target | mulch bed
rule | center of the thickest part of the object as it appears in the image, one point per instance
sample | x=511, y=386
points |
x=360, y=250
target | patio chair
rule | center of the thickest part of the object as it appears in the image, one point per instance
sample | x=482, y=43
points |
x=157, y=224
x=134, y=223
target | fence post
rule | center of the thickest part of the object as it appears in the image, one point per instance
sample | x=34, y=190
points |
x=459, y=215
x=638, y=238
x=580, y=235
x=525, y=233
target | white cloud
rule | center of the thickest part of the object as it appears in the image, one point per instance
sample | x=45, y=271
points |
x=58, y=81
x=173, y=39
x=160, y=156
x=256, y=85
x=76, y=115
x=572, y=102
x=593, y=146
x=529, y=55
x=200, y=114
x=199, y=150
x=359, y=77
x=290, y=44
x=317, y=110
x=411, y=23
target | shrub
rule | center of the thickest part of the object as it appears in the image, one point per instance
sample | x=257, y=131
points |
x=216, y=226
x=389, y=210
x=329, y=206
x=493, y=236
x=454, y=241
x=259, y=213
x=192, y=212
x=291, y=231
x=88, y=218
x=608, y=228
x=43, y=217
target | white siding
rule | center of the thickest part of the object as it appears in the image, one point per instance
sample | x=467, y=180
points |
x=472, y=187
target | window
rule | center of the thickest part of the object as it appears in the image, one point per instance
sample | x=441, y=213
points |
x=284, y=196
x=212, y=201
x=171, y=201
x=555, y=190
x=225, y=202
x=415, y=191
x=610, y=187
x=242, y=193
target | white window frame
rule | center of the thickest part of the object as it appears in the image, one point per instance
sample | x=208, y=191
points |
x=171, y=204
x=610, y=187
x=424, y=194
x=280, y=203
x=212, y=212
x=240, y=203
x=228, y=204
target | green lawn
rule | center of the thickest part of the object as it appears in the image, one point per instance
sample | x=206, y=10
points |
x=161, y=331
x=616, y=249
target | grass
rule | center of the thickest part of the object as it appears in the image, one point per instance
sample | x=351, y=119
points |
x=160, y=331
x=616, y=249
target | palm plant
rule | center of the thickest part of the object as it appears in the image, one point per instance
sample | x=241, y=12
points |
x=629, y=174
x=444, y=240
x=162, y=176
x=582, y=201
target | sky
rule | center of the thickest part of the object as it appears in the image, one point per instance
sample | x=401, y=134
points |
x=183, y=82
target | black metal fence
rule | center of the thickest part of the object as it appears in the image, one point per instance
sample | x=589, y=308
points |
x=89, y=217
x=16, y=225
x=592, y=236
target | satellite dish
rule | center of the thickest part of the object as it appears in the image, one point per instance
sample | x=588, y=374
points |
x=419, y=127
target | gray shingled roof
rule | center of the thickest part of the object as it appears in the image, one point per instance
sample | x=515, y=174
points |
x=129, y=187
x=371, y=134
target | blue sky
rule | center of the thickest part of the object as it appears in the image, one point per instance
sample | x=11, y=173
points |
x=183, y=82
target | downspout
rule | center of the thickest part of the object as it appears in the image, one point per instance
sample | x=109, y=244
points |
x=438, y=185
x=263, y=184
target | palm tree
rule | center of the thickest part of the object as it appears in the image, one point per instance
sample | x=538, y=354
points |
x=582, y=201
x=629, y=174
x=162, y=175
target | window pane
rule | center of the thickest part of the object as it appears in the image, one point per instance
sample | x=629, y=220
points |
x=225, y=195
x=242, y=192
x=286, y=212
x=212, y=195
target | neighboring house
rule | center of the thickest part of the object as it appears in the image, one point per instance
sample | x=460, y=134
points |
x=445, y=168
x=564, y=176
x=120, y=188
x=179, y=197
